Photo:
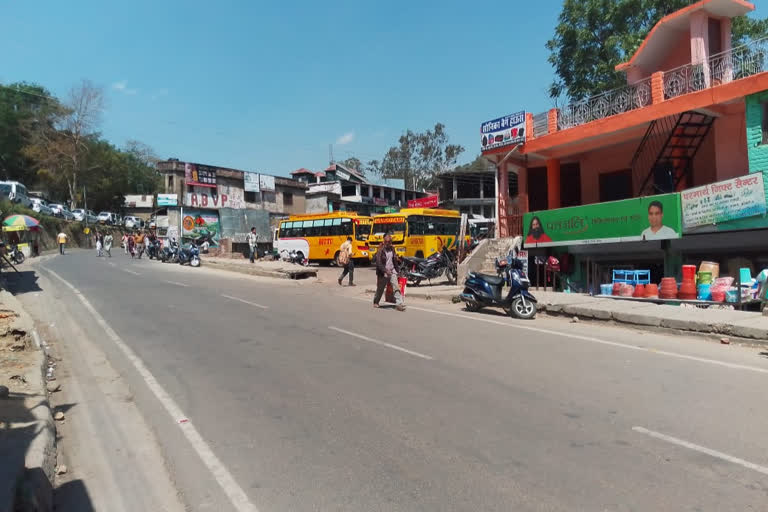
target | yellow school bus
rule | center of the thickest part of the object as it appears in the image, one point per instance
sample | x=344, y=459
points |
x=418, y=232
x=318, y=237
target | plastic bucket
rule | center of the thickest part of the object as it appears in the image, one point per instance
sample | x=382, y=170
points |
x=705, y=277
x=745, y=275
x=689, y=272
x=606, y=289
x=703, y=292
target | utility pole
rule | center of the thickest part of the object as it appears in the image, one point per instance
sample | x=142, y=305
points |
x=330, y=154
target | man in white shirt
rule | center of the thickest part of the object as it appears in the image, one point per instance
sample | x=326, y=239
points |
x=252, y=240
x=657, y=230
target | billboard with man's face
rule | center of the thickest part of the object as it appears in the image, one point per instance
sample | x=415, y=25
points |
x=630, y=220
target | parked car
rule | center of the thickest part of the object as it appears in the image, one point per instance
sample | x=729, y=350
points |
x=131, y=222
x=57, y=209
x=15, y=192
x=66, y=214
x=107, y=218
x=41, y=206
x=83, y=215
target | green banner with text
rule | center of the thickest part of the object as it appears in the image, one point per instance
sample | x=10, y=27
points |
x=629, y=220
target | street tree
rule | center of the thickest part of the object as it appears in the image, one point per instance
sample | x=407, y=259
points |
x=419, y=157
x=354, y=163
x=61, y=139
x=593, y=36
x=19, y=103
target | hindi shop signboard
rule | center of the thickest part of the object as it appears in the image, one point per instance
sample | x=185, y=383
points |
x=423, y=202
x=630, y=220
x=227, y=197
x=503, y=131
x=197, y=175
x=251, y=182
x=167, y=200
x=723, y=201
x=266, y=183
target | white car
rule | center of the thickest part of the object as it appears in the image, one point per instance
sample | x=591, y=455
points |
x=40, y=206
x=83, y=215
x=58, y=210
x=107, y=217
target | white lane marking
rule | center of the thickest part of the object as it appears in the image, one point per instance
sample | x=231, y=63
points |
x=703, y=449
x=177, y=283
x=130, y=271
x=220, y=473
x=382, y=343
x=244, y=301
x=734, y=366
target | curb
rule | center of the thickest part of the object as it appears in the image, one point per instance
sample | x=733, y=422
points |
x=425, y=295
x=261, y=272
x=31, y=487
x=746, y=335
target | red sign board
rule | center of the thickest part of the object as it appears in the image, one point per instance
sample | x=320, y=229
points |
x=424, y=202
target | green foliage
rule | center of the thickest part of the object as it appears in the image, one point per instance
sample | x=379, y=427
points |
x=55, y=147
x=593, y=36
x=418, y=157
x=354, y=163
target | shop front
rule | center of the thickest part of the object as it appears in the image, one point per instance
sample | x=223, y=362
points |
x=719, y=229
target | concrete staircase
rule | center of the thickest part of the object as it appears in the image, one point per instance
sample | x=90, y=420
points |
x=484, y=256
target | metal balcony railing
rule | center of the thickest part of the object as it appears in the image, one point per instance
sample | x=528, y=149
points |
x=725, y=67
x=737, y=63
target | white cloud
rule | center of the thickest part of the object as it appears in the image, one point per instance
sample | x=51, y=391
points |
x=122, y=86
x=345, y=139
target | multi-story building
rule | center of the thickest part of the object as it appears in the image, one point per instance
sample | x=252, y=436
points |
x=691, y=122
x=226, y=203
x=339, y=188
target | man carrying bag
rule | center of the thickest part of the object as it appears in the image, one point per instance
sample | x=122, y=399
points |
x=345, y=260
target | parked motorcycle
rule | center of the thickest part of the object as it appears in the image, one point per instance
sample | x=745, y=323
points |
x=190, y=253
x=15, y=254
x=170, y=253
x=482, y=290
x=294, y=257
x=417, y=269
x=154, y=249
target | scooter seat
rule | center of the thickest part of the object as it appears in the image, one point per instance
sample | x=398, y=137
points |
x=492, y=280
x=414, y=259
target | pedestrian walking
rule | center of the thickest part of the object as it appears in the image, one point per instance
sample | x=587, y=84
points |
x=108, y=244
x=252, y=239
x=386, y=273
x=147, y=241
x=131, y=245
x=345, y=260
x=139, y=241
x=124, y=240
x=98, y=244
x=62, y=239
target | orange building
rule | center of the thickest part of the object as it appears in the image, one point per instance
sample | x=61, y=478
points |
x=684, y=80
x=693, y=112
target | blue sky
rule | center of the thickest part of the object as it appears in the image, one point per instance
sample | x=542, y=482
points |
x=268, y=86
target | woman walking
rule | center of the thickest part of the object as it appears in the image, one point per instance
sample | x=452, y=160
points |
x=99, y=240
x=108, y=244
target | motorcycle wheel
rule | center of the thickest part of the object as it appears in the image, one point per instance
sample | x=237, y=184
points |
x=194, y=262
x=524, y=311
x=450, y=275
x=473, y=306
x=18, y=257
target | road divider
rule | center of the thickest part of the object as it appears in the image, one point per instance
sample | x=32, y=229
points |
x=702, y=449
x=238, y=299
x=382, y=343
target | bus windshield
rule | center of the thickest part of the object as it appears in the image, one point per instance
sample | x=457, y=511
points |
x=362, y=231
x=382, y=228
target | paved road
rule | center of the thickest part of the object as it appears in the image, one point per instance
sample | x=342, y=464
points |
x=297, y=397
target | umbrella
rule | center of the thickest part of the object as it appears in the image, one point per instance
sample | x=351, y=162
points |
x=20, y=223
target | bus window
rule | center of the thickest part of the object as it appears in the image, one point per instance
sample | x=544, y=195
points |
x=416, y=225
x=318, y=229
x=346, y=227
